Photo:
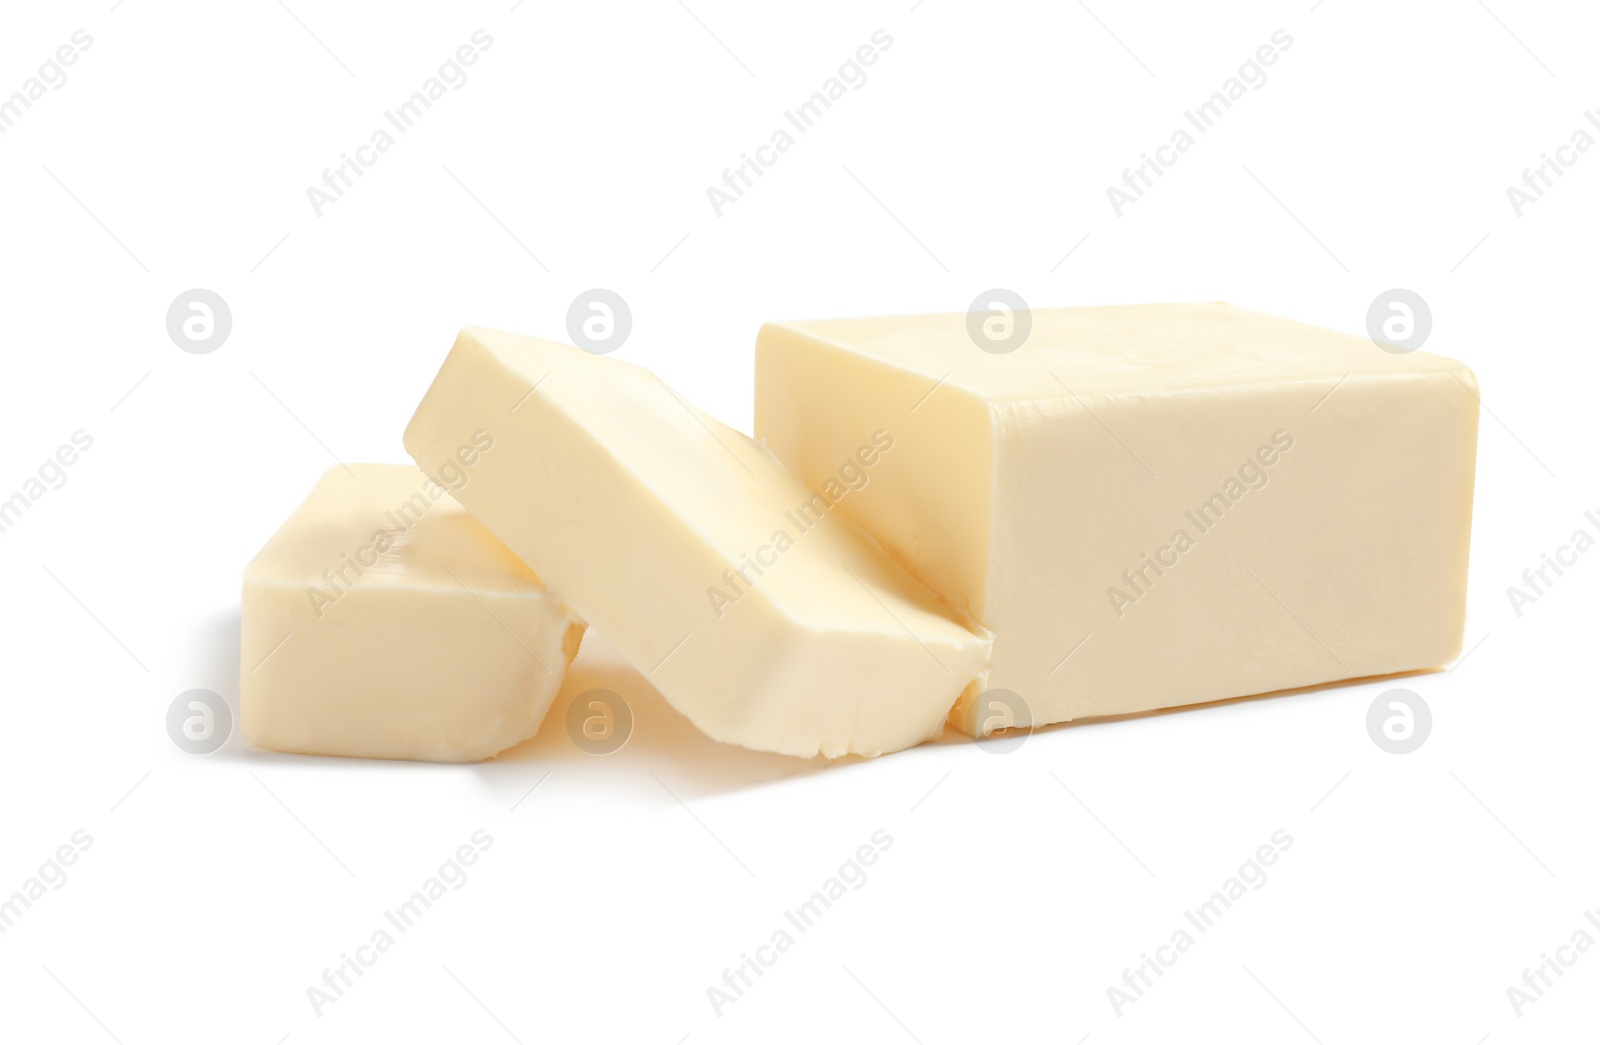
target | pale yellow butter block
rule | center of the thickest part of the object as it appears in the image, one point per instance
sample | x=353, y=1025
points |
x=754, y=608
x=383, y=621
x=1149, y=506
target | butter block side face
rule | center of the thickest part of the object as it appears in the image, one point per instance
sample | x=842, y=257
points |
x=1289, y=507
x=925, y=489
x=741, y=595
x=383, y=621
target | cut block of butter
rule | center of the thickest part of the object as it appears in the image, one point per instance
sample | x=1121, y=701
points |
x=1149, y=506
x=383, y=621
x=758, y=612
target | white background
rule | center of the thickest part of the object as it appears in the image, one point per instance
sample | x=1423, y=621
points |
x=1019, y=886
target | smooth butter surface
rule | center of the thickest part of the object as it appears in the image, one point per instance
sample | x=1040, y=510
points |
x=1150, y=505
x=756, y=610
x=383, y=621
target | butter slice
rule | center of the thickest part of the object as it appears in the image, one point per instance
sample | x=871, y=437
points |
x=383, y=621
x=758, y=613
x=1150, y=506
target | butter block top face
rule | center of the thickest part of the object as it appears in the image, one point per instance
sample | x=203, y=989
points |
x=1117, y=349
x=1149, y=506
x=384, y=621
x=738, y=592
x=427, y=540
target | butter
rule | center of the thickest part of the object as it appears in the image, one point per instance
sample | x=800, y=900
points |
x=383, y=621
x=750, y=603
x=1149, y=506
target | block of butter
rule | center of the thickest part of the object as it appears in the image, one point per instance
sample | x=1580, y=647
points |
x=1149, y=506
x=757, y=611
x=383, y=621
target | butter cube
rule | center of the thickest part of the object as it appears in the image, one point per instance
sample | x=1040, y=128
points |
x=383, y=621
x=1149, y=506
x=757, y=611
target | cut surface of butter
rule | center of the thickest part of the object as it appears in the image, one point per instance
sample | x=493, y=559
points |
x=758, y=612
x=1149, y=506
x=383, y=621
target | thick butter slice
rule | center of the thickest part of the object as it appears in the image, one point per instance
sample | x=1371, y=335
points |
x=1149, y=506
x=383, y=621
x=742, y=596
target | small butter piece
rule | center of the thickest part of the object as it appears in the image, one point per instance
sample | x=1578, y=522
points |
x=1151, y=505
x=383, y=621
x=742, y=596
